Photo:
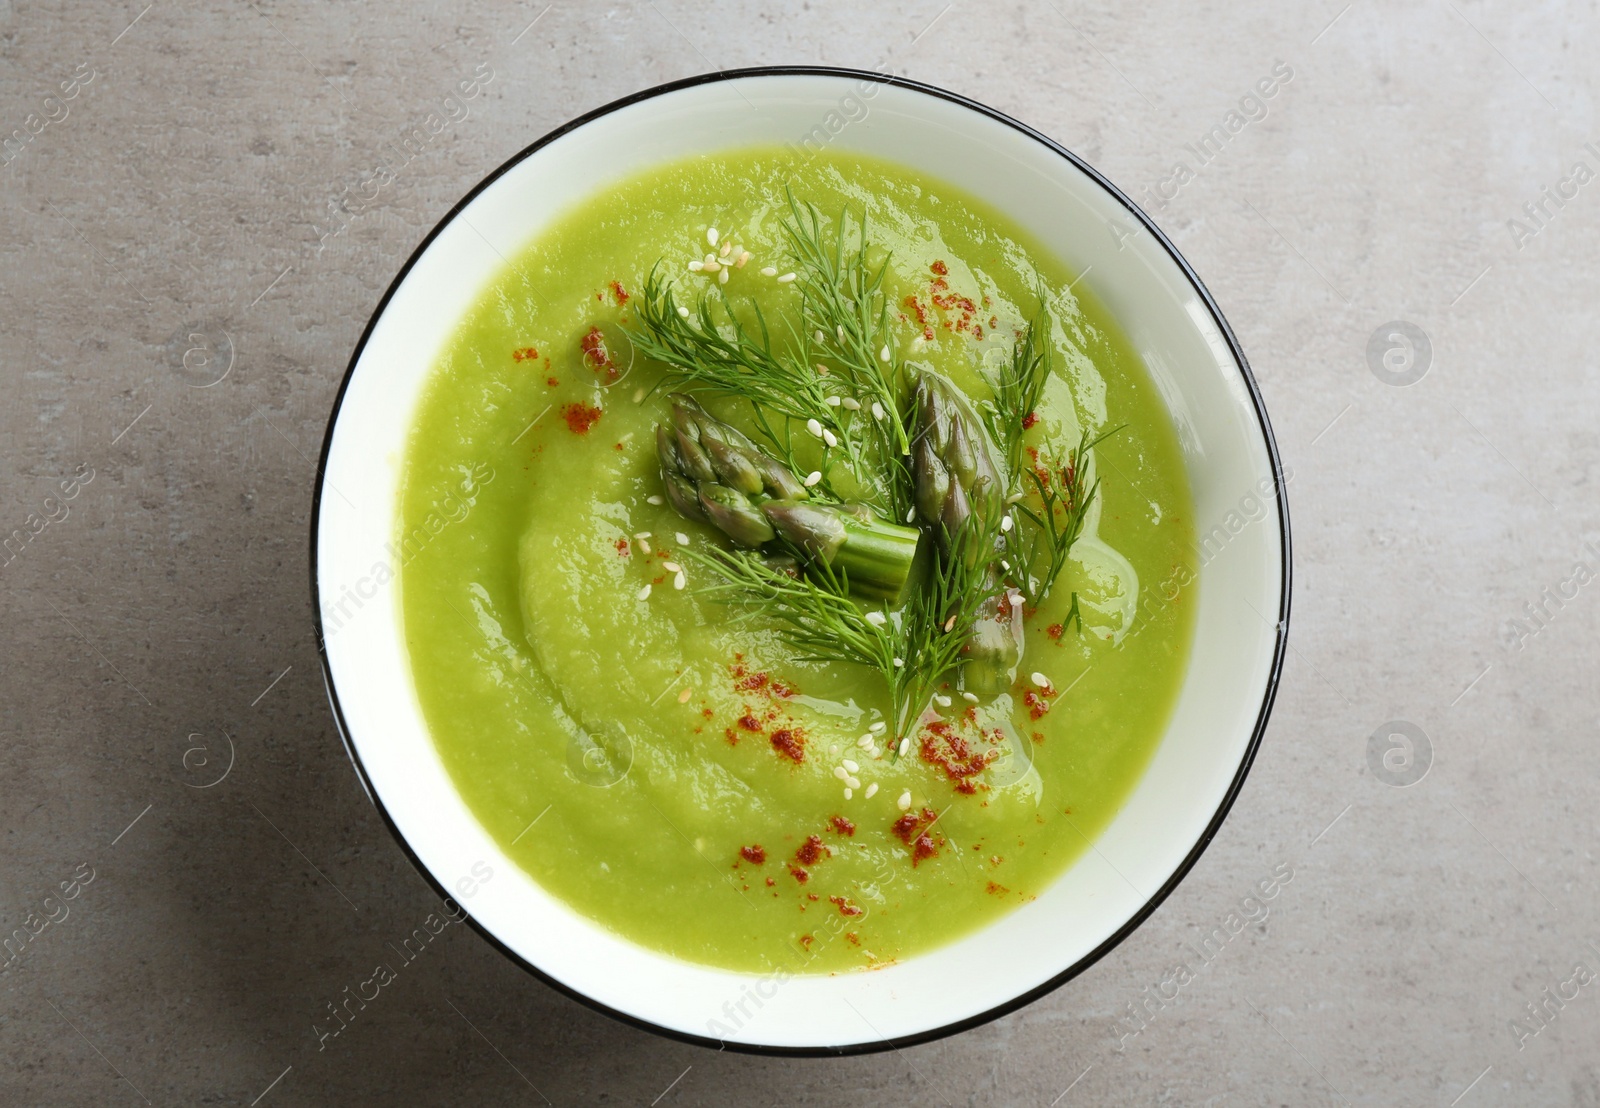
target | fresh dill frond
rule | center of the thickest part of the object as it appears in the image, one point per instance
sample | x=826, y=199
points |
x=1038, y=548
x=937, y=622
x=812, y=610
x=844, y=321
x=715, y=351
x=1017, y=389
x=814, y=613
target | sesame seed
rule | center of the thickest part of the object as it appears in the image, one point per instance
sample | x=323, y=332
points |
x=852, y=403
x=643, y=534
x=853, y=781
x=644, y=593
x=905, y=800
x=840, y=772
x=833, y=748
x=644, y=547
x=942, y=700
x=682, y=539
x=883, y=355
x=786, y=278
x=871, y=789
x=722, y=278
x=683, y=697
x=833, y=401
x=839, y=330
x=911, y=513
x=768, y=271
x=656, y=500
x=822, y=370
x=899, y=662
x=851, y=766
x=905, y=745
x=638, y=395
x=1006, y=523
x=713, y=266
x=744, y=256
x=820, y=336
x=671, y=567
x=1040, y=679
x=679, y=580
x=1005, y=565
x=696, y=266
x=727, y=248
x=878, y=728
x=812, y=478
x=877, y=619
x=682, y=311
x=865, y=742
x=814, y=425
x=877, y=410
x=711, y=236
x=970, y=698
x=829, y=437
x=950, y=623
x=848, y=793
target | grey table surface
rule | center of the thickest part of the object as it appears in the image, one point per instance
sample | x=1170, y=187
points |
x=175, y=202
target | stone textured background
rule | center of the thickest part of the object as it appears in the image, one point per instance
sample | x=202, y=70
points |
x=193, y=187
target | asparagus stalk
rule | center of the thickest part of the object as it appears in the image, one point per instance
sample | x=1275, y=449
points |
x=713, y=473
x=954, y=474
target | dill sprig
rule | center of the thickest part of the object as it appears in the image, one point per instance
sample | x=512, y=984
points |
x=1017, y=389
x=812, y=610
x=1037, y=550
x=716, y=351
x=844, y=314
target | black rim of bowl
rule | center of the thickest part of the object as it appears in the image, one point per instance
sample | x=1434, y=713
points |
x=1268, y=696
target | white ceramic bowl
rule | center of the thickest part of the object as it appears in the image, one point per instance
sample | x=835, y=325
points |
x=1242, y=591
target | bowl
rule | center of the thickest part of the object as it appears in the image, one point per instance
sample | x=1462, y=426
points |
x=1241, y=587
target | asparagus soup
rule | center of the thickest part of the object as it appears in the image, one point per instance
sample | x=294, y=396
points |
x=795, y=565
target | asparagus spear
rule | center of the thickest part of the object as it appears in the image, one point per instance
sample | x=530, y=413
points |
x=954, y=474
x=714, y=474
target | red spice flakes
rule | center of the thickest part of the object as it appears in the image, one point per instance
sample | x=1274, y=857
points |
x=844, y=906
x=1029, y=420
x=912, y=829
x=619, y=292
x=922, y=317
x=910, y=825
x=941, y=746
x=749, y=722
x=552, y=382
x=807, y=940
x=790, y=744
x=996, y=889
x=622, y=548
x=1038, y=701
x=799, y=874
x=763, y=683
x=940, y=268
x=1055, y=631
x=594, y=348
x=754, y=854
x=707, y=712
x=1038, y=737
x=731, y=735
x=852, y=938
x=770, y=883
x=580, y=417
x=842, y=825
x=811, y=851
x=526, y=354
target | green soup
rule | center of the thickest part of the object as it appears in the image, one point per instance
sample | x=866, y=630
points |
x=674, y=774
